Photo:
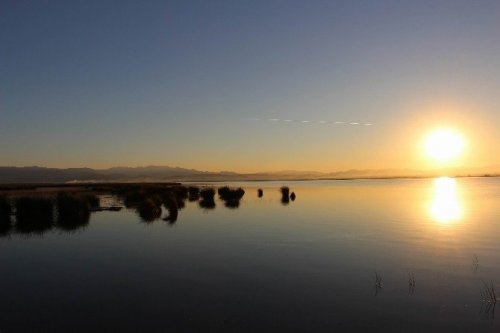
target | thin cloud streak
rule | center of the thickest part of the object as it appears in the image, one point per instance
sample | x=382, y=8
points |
x=322, y=122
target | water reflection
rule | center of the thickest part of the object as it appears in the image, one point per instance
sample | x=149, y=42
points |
x=445, y=206
x=317, y=265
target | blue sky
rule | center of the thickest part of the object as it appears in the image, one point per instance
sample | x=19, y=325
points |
x=105, y=83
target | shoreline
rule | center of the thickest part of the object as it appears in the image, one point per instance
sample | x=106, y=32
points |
x=79, y=184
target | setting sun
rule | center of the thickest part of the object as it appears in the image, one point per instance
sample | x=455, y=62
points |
x=444, y=145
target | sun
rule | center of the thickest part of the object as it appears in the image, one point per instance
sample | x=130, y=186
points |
x=444, y=145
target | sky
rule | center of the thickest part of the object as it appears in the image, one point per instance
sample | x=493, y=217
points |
x=247, y=85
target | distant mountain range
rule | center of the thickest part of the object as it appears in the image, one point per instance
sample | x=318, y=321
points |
x=164, y=173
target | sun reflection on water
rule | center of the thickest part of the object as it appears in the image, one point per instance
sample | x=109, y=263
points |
x=445, y=206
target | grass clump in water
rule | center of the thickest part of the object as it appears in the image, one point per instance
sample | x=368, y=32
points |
x=207, y=195
x=171, y=203
x=285, y=195
x=231, y=197
x=149, y=210
x=5, y=215
x=34, y=214
x=193, y=193
x=73, y=210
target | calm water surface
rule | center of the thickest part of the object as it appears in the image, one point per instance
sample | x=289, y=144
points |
x=308, y=266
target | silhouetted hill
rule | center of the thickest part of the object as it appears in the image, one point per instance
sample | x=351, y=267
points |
x=39, y=174
x=165, y=173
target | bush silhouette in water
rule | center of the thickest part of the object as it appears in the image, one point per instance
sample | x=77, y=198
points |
x=207, y=195
x=207, y=204
x=231, y=197
x=5, y=215
x=149, y=210
x=260, y=193
x=171, y=203
x=193, y=193
x=34, y=214
x=133, y=199
x=93, y=200
x=148, y=201
x=73, y=210
x=285, y=195
x=181, y=194
x=232, y=203
x=226, y=193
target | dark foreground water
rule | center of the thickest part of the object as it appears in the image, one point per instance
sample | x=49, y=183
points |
x=308, y=266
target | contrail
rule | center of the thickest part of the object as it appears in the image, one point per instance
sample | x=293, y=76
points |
x=305, y=121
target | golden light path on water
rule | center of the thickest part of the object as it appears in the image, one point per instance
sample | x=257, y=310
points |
x=445, y=206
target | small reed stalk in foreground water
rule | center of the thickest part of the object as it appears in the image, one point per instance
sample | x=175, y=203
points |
x=475, y=263
x=411, y=283
x=411, y=280
x=378, y=284
x=488, y=293
x=378, y=281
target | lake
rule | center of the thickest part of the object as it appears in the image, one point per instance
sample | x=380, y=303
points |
x=345, y=256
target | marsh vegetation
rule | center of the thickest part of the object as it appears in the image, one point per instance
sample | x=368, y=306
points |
x=207, y=195
x=231, y=197
x=70, y=208
x=5, y=215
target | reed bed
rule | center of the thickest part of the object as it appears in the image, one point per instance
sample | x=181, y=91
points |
x=171, y=203
x=149, y=210
x=73, y=210
x=34, y=214
x=231, y=197
x=193, y=193
x=207, y=196
x=5, y=209
x=5, y=215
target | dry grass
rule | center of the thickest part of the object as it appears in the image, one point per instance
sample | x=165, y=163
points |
x=488, y=293
x=34, y=214
x=377, y=284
